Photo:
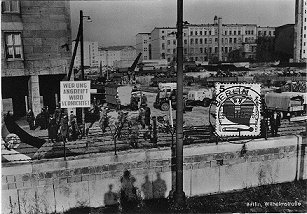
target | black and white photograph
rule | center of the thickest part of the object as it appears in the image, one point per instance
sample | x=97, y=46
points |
x=153, y=106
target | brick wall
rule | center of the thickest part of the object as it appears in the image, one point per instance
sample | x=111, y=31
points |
x=60, y=185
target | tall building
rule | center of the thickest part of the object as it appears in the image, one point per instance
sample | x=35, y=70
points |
x=206, y=42
x=300, y=46
x=284, y=42
x=117, y=56
x=91, y=54
x=35, y=53
x=143, y=45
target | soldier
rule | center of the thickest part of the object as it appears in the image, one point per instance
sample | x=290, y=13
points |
x=30, y=119
x=142, y=116
x=52, y=129
x=147, y=116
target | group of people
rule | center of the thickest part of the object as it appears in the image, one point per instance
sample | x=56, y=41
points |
x=58, y=124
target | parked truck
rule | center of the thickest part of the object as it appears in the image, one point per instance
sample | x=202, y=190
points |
x=201, y=97
x=288, y=103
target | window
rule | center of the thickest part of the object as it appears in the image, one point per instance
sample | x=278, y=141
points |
x=239, y=32
x=225, y=33
x=145, y=57
x=196, y=41
x=234, y=40
x=145, y=49
x=196, y=33
x=174, y=50
x=185, y=41
x=201, y=41
x=226, y=40
x=210, y=40
x=201, y=32
x=201, y=50
x=205, y=33
x=191, y=33
x=163, y=37
x=210, y=50
x=209, y=32
x=252, y=32
x=245, y=39
x=205, y=50
x=230, y=49
x=226, y=49
x=10, y=7
x=215, y=49
x=215, y=39
x=205, y=40
x=270, y=33
x=196, y=58
x=184, y=34
x=222, y=40
x=168, y=59
x=163, y=46
x=230, y=32
x=191, y=41
x=168, y=42
x=246, y=32
x=13, y=46
x=163, y=55
x=185, y=51
x=168, y=50
x=264, y=33
x=259, y=33
x=174, y=42
x=230, y=40
x=235, y=33
x=222, y=49
x=162, y=31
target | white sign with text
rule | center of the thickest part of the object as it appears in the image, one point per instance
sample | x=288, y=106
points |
x=75, y=94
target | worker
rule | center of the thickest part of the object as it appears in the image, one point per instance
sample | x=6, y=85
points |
x=142, y=116
x=275, y=122
x=147, y=116
x=52, y=129
x=103, y=121
x=64, y=128
x=143, y=100
x=30, y=119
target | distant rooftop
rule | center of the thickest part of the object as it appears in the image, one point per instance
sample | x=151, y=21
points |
x=116, y=48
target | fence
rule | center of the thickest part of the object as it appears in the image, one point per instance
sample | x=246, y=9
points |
x=160, y=136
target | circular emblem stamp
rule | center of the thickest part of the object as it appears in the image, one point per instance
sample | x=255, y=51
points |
x=238, y=109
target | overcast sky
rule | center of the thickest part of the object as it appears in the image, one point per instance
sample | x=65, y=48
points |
x=116, y=22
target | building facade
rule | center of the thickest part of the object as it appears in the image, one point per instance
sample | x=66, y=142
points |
x=91, y=54
x=35, y=53
x=117, y=56
x=207, y=42
x=300, y=46
x=143, y=45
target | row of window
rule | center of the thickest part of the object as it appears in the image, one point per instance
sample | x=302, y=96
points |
x=270, y=33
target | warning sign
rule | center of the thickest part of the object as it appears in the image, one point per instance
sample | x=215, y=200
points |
x=75, y=94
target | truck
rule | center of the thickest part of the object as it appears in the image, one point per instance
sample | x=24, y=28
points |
x=200, y=97
x=118, y=93
x=288, y=103
x=167, y=92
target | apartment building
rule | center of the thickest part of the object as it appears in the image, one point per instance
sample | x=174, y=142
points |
x=207, y=42
x=117, y=56
x=300, y=38
x=91, y=54
x=35, y=53
x=143, y=45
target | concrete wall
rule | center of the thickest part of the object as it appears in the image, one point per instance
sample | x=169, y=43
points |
x=58, y=185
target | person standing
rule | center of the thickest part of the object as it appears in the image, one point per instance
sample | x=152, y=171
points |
x=30, y=119
x=52, y=129
x=147, y=116
x=64, y=128
x=143, y=100
x=275, y=123
x=103, y=121
x=142, y=116
x=73, y=125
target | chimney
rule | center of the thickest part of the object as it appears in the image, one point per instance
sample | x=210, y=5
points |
x=220, y=32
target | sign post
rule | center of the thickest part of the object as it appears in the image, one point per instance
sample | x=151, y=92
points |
x=75, y=94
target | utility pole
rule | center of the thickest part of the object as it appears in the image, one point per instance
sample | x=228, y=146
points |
x=179, y=194
x=81, y=45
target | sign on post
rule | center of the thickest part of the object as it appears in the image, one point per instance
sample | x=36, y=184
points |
x=75, y=94
x=238, y=109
